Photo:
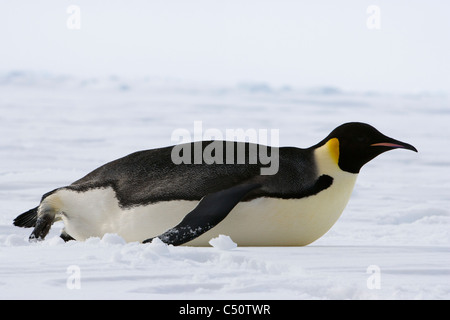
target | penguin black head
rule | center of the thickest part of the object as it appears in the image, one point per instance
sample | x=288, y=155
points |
x=359, y=143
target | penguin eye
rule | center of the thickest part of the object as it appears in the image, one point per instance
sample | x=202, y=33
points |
x=361, y=139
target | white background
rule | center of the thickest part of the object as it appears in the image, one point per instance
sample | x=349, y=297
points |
x=306, y=43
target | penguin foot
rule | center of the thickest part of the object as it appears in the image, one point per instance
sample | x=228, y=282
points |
x=65, y=236
x=43, y=225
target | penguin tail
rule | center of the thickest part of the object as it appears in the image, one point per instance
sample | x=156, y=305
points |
x=27, y=219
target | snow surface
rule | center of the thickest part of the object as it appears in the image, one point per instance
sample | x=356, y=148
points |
x=55, y=129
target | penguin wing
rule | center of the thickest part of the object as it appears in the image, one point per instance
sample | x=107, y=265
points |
x=210, y=211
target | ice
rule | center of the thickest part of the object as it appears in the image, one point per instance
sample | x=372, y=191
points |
x=56, y=129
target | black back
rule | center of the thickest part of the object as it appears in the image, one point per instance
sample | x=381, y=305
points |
x=151, y=176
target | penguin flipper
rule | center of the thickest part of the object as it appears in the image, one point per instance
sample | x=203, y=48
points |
x=211, y=210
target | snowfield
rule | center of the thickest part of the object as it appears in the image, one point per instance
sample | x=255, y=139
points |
x=391, y=242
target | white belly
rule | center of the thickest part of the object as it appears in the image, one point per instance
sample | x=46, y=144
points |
x=282, y=222
x=260, y=222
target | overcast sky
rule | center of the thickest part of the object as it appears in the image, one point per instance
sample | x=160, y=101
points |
x=298, y=43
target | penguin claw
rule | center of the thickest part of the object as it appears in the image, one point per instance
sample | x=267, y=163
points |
x=32, y=238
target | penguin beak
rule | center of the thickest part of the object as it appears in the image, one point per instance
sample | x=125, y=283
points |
x=394, y=144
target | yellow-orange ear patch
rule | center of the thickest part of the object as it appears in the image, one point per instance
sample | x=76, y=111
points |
x=333, y=149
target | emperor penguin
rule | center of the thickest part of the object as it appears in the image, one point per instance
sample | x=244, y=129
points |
x=147, y=194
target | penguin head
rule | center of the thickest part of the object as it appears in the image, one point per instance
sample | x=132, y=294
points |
x=359, y=143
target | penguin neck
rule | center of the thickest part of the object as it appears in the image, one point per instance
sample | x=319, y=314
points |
x=327, y=158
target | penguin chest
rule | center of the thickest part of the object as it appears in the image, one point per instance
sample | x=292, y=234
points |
x=284, y=222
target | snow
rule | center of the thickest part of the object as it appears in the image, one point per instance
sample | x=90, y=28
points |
x=223, y=242
x=395, y=230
